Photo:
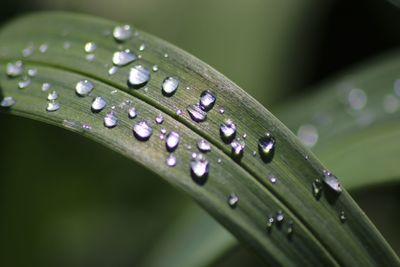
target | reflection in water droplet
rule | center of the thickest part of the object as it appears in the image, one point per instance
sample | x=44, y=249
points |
x=172, y=141
x=233, y=200
x=45, y=87
x=342, y=217
x=142, y=130
x=317, y=188
x=90, y=47
x=237, y=149
x=357, y=99
x=391, y=103
x=98, y=104
x=196, y=113
x=169, y=86
x=159, y=119
x=24, y=83
x=207, y=100
x=15, y=69
x=132, y=113
x=138, y=76
x=308, y=135
x=332, y=182
x=110, y=120
x=227, y=131
x=122, y=33
x=7, y=102
x=122, y=58
x=52, y=106
x=203, y=145
x=199, y=169
x=266, y=147
x=84, y=87
x=171, y=161
x=52, y=96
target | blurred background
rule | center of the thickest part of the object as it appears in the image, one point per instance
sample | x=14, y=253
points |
x=78, y=212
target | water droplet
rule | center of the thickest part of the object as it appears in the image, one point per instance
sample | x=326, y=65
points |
x=317, y=188
x=166, y=55
x=43, y=48
x=308, y=135
x=266, y=147
x=122, y=58
x=113, y=70
x=32, y=72
x=98, y=104
x=52, y=106
x=28, y=51
x=196, y=113
x=159, y=119
x=203, y=145
x=279, y=217
x=86, y=127
x=110, y=120
x=221, y=110
x=254, y=153
x=244, y=136
x=90, y=57
x=142, y=47
x=52, y=96
x=142, y=130
x=178, y=112
x=169, y=86
x=172, y=141
x=67, y=45
x=207, y=100
x=273, y=179
x=237, y=149
x=7, y=102
x=270, y=223
x=84, y=87
x=357, y=99
x=155, y=68
x=122, y=33
x=15, y=69
x=199, y=169
x=342, y=217
x=24, y=83
x=45, y=87
x=171, y=161
x=219, y=161
x=290, y=229
x=138, y=76
x=233, y=200
x=90, y=47
x=227, y=131
x=391, y=103
x=163, y=130
x=332, y=182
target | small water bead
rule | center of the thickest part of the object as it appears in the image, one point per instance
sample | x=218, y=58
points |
x=122, y=58
x=28, y=51
x=142, y=47
x=138, y=76
x=203, y=145
x=84, y=87
x=270, y=223
x=233, y=200
x=32, y=72
x=113, y=70
x=67, y=45
x=290, y=229
x=194, y=155
x=7, y=102
x=266, y=147
x=172, y=141
x=279, y=217
x=308, y=135
x=244, y=136
x=46, y=87
x=196, y=113
x=207, y=100
x=166, y=55
x=52, y=96
x=155, y=68
x=227, y=131
x=178, y=112
x=90, y=57
x=24, y=83
x=332, y=182
x=52, y=106
x=122, y=33
x=142, y=130
x=221, y=110
x=162, y=136
x=43, y=48
x=159, y=119
x=163, y=130
x=391, y=103
x=342, y=217
x=219, y=161
x=86, y=127
x=110, y=120
x=188, y=88
x=357, y=99
x=171, y=161
x=273, y=179
x=317, y=188
x=237, y=149
x=199, y=169
x=14, y=69
x=90, y=47
x=170, y=85
x=98, y=104
x=254, y=153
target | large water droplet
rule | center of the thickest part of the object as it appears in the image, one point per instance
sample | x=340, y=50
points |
x=52, y=106
x=203, y=145
x=7, y=102
x=170, y=85
x=52, y=96
x=84, y=87
x=237, y=149
x=110, y=120
x=138, y=76
x=332, y=182
x=207, y=100
x=308, y=135
x=227, y=131
x=171, y=161
x=122, y=58
x=196, y=113
x=90, y=47
x=233, y=200
x=122, y=33
x=98, y=104
x=172, y=141
x=266, y=147
x=142, y=130
x=199, y=169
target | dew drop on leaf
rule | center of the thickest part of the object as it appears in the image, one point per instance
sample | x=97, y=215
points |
x=172, y=141
x=122, y=58
x=332, y=182
x=110, y=120
x=113, y=70
x=170, y=85
x=207, y=100
x=98, y=104
x=32, y=72
x=266, y=147
x=279, y=217
x=237, y=147
x=90, y=57
x=159, y=119
x=52, y=96
x=14, y=69
x=142, y=47
x=196, y=113
x=24, y=83
x=227, y=131
x=233, y=200
x=171, y=161
x=7, y=102
x=342, y=217
x=43, y=48
x=138, y=76
x=90, y=47
x=84, y=87
x=270, y=223
x=46, y=87
x=52, y=106
x=199, y=169
x=317, y=188
x=290, y=229
x=203, y=145
x=155, y=68
x=142, y=130
x=122, y=33
x=273, y=179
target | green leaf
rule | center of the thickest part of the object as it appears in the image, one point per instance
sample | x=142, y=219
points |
x=318, y=237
